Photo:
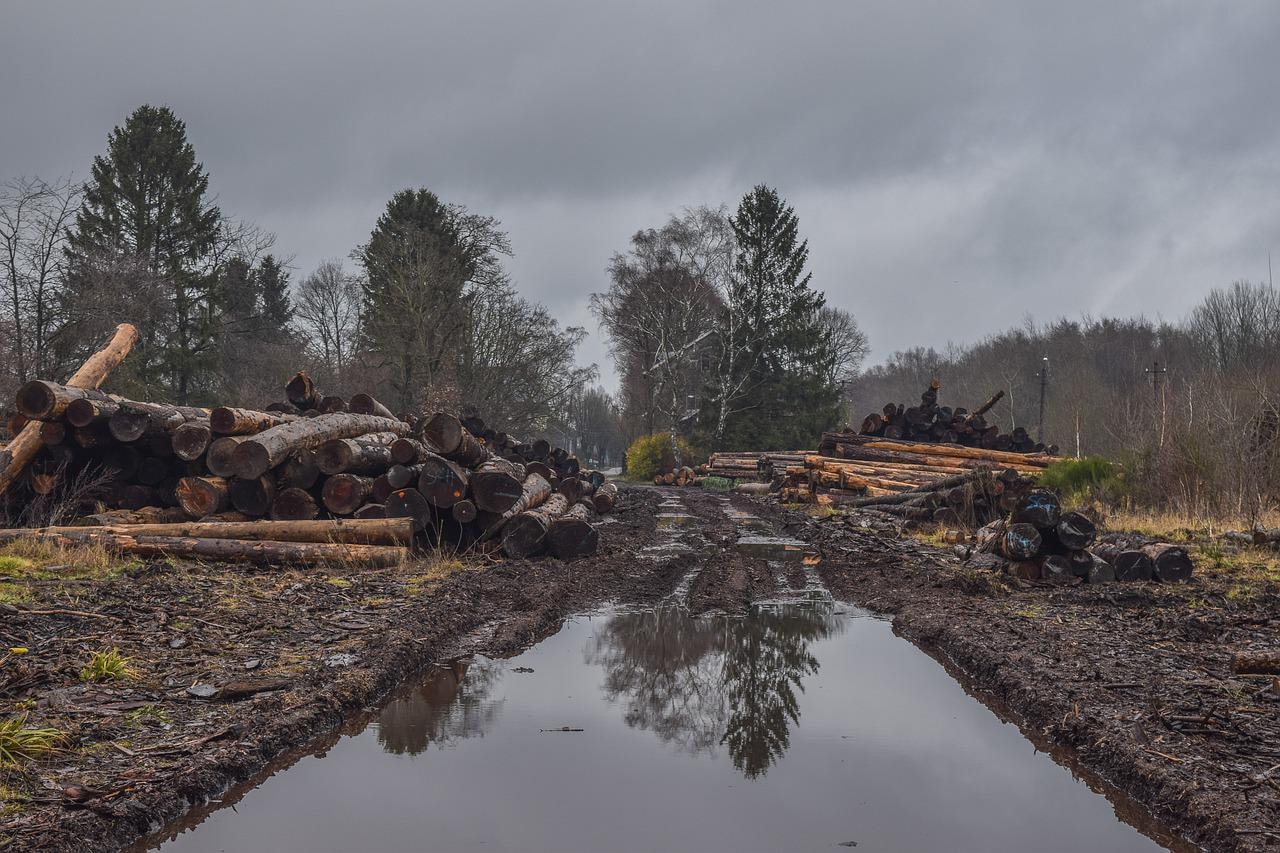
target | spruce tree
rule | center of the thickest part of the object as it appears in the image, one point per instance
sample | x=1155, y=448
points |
x=145, y=199
x=791, y=355
x=273, y=288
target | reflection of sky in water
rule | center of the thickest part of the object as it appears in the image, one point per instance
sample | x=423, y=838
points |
x=888, y=751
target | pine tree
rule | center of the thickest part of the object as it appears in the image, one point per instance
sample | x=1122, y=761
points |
x=793, y=398
x=145, y=200
x=273, y=288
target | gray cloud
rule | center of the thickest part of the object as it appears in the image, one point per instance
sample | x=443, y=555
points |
x=955, y=166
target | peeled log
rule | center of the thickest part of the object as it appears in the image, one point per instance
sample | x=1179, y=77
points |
x=524, y=534
x=145, y=515
x=605, y=498
x=1076, y=531
x=1170, y=563
x=220, y=456
x=260, y=453
x=226, y=420
x=191, y=440
x=230, y=550
x=201, y=496
x=571, y=535
x=26, y=444
x=442, y=483
x=294, y=504
x=252, y=497
x=446, y=432
x=368, y=454
x=496, y=486
x=1256, y=663
x=343, y=493
x=363, y=404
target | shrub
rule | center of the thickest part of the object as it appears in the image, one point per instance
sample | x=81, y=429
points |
x=1080, y=479
x=650, y=454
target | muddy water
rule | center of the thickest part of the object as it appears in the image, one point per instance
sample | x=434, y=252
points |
x=797, y=728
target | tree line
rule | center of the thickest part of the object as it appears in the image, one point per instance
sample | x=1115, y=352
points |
x=426, y=316
x=1190, y=408
x=718, y=334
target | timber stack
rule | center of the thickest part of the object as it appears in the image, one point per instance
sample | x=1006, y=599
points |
x=312, y=478
x=930, y=422
x=752, y=466
x=678, y=477
x=1038, y=540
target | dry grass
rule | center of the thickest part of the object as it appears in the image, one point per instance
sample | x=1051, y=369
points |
x=1180, y=528
x=26, y=560
x=425, y=574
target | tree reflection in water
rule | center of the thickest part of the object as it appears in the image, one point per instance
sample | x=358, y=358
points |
x=711, y=681
x=449, y=705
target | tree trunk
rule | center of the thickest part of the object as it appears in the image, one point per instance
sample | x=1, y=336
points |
x=524, y=534
x=253, y=497
x=373, y=511
x=299, y=470
x=368, y=454
x=496, y=486
x=605, y=498
x=201, y=496
x=226, y=420
x=464, y=512
x=268, y=553
x=294, y=504
x=393, y=531
x=1256, y=663
x=571, y=535
x=40, y=400
x=1076, y=531
x=447, y=433
x=220, y=457
x=343, y=493
x=82, y=413
x=301, y=392
x=1169, y=563
x=363, y=404
x=409, y=503
x=132, y=420
x=260, y=453
x=1057, y=569
x=91, y=374
x=145, y=515
x=403, y=476
x=191, y=440
x=408, y=451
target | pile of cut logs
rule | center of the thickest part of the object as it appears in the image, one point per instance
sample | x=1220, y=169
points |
x=340, y=480
x=752, y=465
x=1040, y=541
x=930, y=422
x=679, y=477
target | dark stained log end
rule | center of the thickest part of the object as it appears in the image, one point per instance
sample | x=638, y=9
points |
x=191, y=440
x=294, y=504
x=571, y=538
x=464, y=512
x=523, y=536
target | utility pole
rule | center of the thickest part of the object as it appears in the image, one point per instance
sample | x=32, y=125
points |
x=1044, y=385
x=1157, y=374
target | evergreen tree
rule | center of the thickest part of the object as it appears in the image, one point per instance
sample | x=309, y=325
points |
x=273, y=289
x=792, y=398
x=145, y=200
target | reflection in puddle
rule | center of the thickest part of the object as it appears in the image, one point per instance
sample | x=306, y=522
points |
x=713, y=682
x=797, y=727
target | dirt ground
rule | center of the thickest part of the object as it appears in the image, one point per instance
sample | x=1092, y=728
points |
x=230, y=668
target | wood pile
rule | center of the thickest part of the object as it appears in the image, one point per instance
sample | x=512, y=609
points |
x=752, y=465
x=929, y=422
x=1039, y=540
x=678, y=477
x=315, y=478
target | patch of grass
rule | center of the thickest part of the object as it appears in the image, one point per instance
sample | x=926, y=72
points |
x=1035, y=611
x=147, y=715
x=1080, y=479
x=31, y=559
x=107, y=665
x=432, y=570
x=13, y=565
x=14, y=593
x=20, y=742
x=340, y=583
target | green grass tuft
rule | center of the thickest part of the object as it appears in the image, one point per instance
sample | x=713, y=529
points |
x=107, y=666
x=20, y=743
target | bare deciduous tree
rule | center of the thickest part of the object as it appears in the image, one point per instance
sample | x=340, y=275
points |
x=328, y=313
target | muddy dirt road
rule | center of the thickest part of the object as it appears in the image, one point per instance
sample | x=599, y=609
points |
x=1132, y=679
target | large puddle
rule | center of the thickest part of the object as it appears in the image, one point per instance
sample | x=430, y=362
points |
x=797, y=728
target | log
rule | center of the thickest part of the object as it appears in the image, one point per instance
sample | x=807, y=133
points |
x=331, y=403
x=226, y=420
x=394, y=531
x=368, y=454
x=363, y=404
x=372, y=511
x=534, y=491
x=572, y=535
x=955, y=451
x=985, y=407
x=343, y=493
x=409, y=503
x=301, y=392
x=496, y=486
x=464, y=512
x=228, y=550
x=191, y=440
x=1019, y=542
x=1040, y=508
x=455, y=443
x=220, y=456
x=299, y=470
x=1128, y=564
x=1256, y=663
x=82, y=413
x=1169, y=563
x=145, y=515
x=409, y=451
x=294, y=504
x=1076, y=531
x=524, y=534
x=201, y=496
x=26, y=443
x=252, y=497
x=40, y=400
x=402, y=476
x=260, y=453
x=1057, y=569
x=1100, y=572
x=381, y=489
x=605, y=498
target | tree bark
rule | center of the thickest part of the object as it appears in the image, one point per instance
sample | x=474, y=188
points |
x=41, y=400
x=26, y=444
x=605, y=498
x=368, y=454
x=145, y=515
x=1256, y=663
x=260, y=453
x=226, y=420
x=446, y=432
x=363, y=404
x=572, y=535
x=524, y=534
x=393, y=531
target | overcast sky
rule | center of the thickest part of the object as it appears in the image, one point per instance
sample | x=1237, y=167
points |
x=955, y=166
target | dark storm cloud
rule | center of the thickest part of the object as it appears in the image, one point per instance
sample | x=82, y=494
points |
x=956, y=166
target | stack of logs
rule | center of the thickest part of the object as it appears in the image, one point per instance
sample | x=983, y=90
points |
x=1039, y=541
x=347, y=477
x=919, y=482
x=679, y=477
x=752, y=466
x=930, y=422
